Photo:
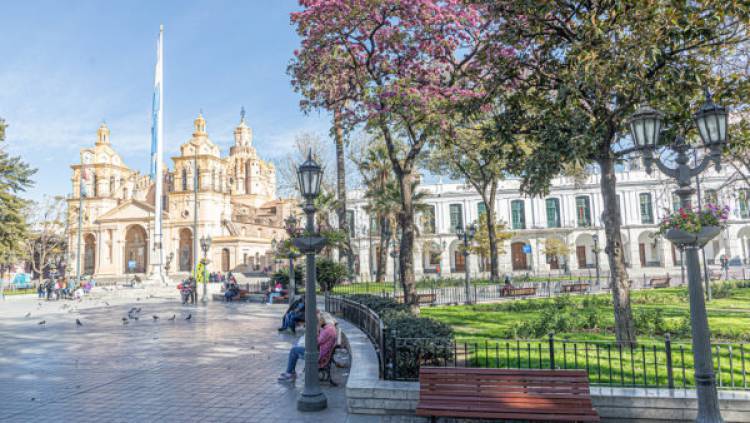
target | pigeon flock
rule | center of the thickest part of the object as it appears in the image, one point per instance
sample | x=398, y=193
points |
x=132, y=315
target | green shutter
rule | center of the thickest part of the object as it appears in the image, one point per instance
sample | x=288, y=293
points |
x=456, y=217
x=553, y=212
x=481, y=209
x=519, y=220
x=583, y=211
x=647, y=213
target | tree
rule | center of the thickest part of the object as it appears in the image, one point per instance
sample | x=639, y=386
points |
x=376, y=173
x=586, y=68
x=391, y=66
x=47, y=236
x=555, y=247
x=329, y=273
x=487, y=244
x=338, y=136
x=15, y=178
x=482, y=151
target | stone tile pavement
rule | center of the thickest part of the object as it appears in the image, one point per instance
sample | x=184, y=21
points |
x=220, y=366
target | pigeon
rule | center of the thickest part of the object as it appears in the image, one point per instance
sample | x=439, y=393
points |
x=155, y=318
x=138, y=299
x=173, y=316
x=189, y=316
x=135, y=317
x=78, y=322
x=106, y=303
x=42, y=322
x=124, y=320
x=40, y=304
x=138, y=310
x=28, y=314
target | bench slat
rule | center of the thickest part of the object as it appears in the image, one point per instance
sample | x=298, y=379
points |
x=515, y=416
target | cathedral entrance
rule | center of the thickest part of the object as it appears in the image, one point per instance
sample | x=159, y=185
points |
x=136, y=250
x=225, y=260
x=186, y=250
x=89, y=254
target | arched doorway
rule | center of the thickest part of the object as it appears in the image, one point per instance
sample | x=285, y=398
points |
x=225, y=260
x=89, y=254
x=518, y=256
x=136, y=247
x=186, y=250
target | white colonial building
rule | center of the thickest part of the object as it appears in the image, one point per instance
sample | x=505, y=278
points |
x=572, y=213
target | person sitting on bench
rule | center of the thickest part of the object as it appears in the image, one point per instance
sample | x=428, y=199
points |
x=295, y=313
x=232, y=290
x=326, y=342
x=508, y=286
x=275, y=292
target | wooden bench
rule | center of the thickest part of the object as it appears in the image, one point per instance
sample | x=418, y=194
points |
x=575, y=287
x=518, y=292
x=421, y=298
x=660, y=282
x=507, y=394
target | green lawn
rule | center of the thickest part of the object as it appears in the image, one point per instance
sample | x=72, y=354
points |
x=485, y=337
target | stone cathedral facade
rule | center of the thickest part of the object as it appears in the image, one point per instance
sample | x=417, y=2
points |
x=236, y=199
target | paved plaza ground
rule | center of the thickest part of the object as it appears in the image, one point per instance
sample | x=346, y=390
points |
x=220, y=366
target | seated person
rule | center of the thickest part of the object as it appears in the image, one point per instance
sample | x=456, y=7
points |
x=295, y=313
x=507, y=287
x=326, y=343
x=275, y=292
x=232, y=290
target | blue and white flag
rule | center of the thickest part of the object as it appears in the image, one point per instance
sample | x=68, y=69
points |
x=156, y=110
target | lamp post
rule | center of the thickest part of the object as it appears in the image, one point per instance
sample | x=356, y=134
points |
x=394, y=256
x=467, y=236
x=205, y=246
x=387, y=234
x=596, y=256
x=711, y=121
x=309, y=174
x=290, y=224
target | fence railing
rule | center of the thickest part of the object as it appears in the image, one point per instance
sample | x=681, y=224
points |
x=650, y=365
x=361, y=316
x=663, y=364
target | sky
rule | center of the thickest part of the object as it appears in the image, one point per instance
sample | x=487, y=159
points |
x=66, y=66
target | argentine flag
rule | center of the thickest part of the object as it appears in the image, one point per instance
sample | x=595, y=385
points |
x=156, y=110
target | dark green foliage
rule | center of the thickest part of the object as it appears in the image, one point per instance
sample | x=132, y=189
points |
x=282, y=275
x=15, y=178
x=329, y=273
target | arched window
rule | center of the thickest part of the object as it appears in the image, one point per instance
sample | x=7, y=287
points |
x=184, y=179
x=111, y=185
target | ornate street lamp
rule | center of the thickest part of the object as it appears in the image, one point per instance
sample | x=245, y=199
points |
x=309, y=175
x=205, y=246
x=711, y=121
x=467, y=236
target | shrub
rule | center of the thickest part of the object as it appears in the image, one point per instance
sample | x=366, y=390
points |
x=282, y=275
x=329, y=273
x=411, y=341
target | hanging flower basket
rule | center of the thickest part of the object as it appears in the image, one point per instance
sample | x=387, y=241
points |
x=682, y=238
x=694, y=227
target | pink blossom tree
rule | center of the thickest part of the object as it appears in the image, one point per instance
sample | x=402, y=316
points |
x=393, y=67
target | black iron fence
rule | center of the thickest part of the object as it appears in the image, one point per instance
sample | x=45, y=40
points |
x=362, y=317
x=651, y=365
x=663, y=364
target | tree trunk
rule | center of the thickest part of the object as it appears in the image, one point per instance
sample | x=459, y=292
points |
x=382, y=253
x=406, y=223
x=491, y=234
x=341, y=189
x=624, y=325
